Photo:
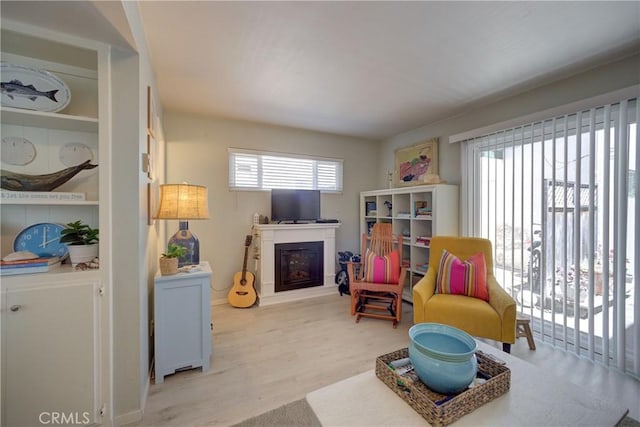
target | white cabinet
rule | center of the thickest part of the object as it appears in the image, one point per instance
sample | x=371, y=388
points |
x=182, y=312
x=417, y=213
x=56, y=344
x=51, y=352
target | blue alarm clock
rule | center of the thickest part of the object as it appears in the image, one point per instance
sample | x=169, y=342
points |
x=42, y=239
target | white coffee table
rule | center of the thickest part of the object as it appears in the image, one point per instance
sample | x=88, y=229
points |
x=534, y=399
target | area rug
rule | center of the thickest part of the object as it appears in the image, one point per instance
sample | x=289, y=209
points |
x=299, y=414
x=294, y=414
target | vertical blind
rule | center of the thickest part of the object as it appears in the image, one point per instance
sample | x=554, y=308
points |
x=559, y=200
x=264, y=170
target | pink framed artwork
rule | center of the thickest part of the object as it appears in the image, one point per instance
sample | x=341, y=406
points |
x=413, y=163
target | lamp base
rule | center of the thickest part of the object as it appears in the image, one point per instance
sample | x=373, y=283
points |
x=184, y=237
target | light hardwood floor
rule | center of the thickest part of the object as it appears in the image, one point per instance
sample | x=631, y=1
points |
x=264, y=357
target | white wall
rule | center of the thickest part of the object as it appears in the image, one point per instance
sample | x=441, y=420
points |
x=126, y=310
x=597, y=81
x=197, y=153
x=135, y=243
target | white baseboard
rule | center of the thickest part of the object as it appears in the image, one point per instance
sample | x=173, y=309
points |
x=297, y=294
x=134, y=416
x=289, y=296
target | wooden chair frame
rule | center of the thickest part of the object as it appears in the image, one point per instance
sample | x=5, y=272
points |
x=374, y=299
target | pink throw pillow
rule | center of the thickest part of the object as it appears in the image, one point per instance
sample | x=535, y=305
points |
x=463, y=277
x=382, y=269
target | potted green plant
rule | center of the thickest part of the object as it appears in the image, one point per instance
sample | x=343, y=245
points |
x=169, y=259
x=82, y=241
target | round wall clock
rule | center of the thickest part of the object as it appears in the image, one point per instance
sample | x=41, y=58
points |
x=42, y=239
x=74, y=153
x=17, y=151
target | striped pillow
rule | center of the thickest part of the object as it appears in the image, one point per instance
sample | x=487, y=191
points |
x=382, y=269
x=463, y=277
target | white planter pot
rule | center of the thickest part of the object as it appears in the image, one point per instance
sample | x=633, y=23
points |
x=82, y=253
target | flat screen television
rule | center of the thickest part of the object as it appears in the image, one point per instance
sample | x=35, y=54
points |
x=295, y=205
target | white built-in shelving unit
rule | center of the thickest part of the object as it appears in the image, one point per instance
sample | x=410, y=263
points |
x=55, y=326
x=417, y=214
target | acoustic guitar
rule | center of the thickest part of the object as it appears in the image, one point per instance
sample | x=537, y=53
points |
x=243, y=293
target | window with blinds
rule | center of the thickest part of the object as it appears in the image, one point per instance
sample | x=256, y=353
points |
x=255, y=170
x=559, y=200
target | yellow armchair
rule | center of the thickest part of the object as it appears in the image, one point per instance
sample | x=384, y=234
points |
x=495, y=319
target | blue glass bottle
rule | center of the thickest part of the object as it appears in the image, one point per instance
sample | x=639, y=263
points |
x=184, y=237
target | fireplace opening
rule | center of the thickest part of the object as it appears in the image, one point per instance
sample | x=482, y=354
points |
x=299, y=265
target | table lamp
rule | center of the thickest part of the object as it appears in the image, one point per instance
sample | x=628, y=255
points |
x=184, y=202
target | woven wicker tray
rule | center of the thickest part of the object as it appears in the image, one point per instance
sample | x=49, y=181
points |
x=440, y=409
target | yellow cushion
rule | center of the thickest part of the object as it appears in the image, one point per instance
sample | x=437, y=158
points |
x=472, y=315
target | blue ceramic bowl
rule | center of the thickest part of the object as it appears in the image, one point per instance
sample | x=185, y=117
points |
x=443, y=356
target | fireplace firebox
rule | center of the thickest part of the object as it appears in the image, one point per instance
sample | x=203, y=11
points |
x=298, y=265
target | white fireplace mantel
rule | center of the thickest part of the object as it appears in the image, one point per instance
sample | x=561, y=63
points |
x=268, y=235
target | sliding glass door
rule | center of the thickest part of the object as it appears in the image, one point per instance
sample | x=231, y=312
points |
x=559, y=200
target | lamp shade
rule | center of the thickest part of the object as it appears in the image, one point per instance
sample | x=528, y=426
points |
x=183, y=201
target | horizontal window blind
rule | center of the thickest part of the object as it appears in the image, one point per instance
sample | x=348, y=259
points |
x=255, y=170
x=559, y=200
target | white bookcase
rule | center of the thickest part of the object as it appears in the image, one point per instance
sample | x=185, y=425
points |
x=417, y=213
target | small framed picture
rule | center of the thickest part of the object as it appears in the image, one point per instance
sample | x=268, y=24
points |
x=151, y=112
x=150, y=157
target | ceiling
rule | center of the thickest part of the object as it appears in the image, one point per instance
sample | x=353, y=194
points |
x=365, y=69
